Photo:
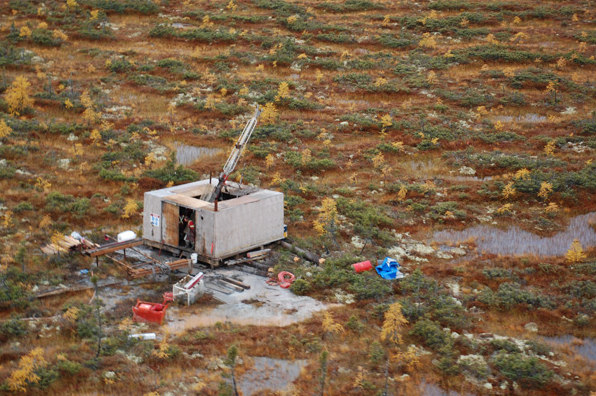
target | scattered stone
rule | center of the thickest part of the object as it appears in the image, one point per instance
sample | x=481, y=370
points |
x=357, y=242
x=64, y=163
x=36, y=60
x=135, y=359
x=117, y=112
x=459, y=251
x=454, y=287
x=396, y=252
x=443, y=255
x=466, y=170
x=418, y=350
x=569, y=111
x=343, y=297
x=422, y=249
x=216, y=364
x=532, y=327
x=487, y=386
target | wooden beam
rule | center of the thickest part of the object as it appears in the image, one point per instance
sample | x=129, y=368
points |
x=235, y=282
x=258, y=253
x=307, y=255
x=113, y=247
x=119, y=262
x=56, y=292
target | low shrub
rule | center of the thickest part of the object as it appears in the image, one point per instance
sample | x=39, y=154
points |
x=122, y=6
x=528, y=372
x=351, y=6
x=300, y=287
x=431, y=334
x=68, y=367
x=13, y=328
x=172, y=173
x=45, y=37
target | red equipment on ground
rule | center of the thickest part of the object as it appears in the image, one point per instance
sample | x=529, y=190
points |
x=284, y=280
x=149, y=312
x=363, y=266
x=167, y=297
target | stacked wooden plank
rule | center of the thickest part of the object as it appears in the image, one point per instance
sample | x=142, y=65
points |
x=250, y=257
x=150, y=268
x=67, y=243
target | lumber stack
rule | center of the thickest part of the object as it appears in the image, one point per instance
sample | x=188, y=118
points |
x=147, y=269
x=67, y=243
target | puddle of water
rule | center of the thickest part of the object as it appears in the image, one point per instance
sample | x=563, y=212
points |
x=186, y=155
x=435, y=168
x=528, y=117
x=467, y=178
x=585, y=348
x=514, y=240
x=178, y=25
x=428, y=389
x=267, y=373
x=261, y=305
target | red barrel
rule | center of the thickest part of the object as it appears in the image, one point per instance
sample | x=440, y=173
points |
x=363, y=266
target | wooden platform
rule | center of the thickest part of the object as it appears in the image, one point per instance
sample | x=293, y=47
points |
x=113, y=247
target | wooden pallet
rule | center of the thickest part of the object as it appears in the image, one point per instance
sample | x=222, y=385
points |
x=155, y=268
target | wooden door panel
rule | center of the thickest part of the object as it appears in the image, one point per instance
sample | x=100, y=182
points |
x=170, y=217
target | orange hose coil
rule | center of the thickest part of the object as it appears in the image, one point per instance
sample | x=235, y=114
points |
x=285, y=279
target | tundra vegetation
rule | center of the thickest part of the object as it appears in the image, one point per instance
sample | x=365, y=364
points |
x=383, y=122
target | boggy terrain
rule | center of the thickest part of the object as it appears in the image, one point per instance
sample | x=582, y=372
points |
x=421, y=130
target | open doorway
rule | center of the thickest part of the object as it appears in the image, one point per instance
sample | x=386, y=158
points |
x=186, y=228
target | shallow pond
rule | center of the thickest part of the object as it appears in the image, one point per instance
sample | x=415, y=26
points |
x=528, y=117
x=269, y=373
x=186, y=155
x=428, y=389
x=514, y=240
x=437, y=169
x=585, y=348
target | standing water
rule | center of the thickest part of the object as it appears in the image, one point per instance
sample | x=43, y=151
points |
x=268, y=373
x=428, y=389
x=585, y=348
x=514, y=240
x=186, y=155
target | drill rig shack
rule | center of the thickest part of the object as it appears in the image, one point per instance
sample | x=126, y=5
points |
x=229, y=218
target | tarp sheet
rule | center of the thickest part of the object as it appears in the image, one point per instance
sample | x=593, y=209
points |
x=389, y=269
